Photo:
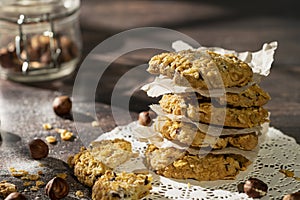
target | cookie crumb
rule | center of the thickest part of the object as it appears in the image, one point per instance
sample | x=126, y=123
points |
x=18, y=173
x=79, y=194
x=287, y=173
x=51, y=139
x=41, y=165
x=47, y=126
x=62, y=175
x=34, y=188
x=39, y=183
x=61, y=130
x=66, y=136
x=188, y=185
x=33, y=177
x=27, y=183
x=7, y=188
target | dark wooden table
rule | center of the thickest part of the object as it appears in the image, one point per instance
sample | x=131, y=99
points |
x=234, y=25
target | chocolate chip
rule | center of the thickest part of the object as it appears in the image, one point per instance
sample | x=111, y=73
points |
x=146, y=182
x=62, y=105
x=293, y=196
x=38, y=149
x=57, y=188
x=255, y=188
x=15, y=196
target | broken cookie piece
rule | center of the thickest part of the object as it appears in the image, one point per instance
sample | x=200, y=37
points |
x=175, y=163
x=114, y=186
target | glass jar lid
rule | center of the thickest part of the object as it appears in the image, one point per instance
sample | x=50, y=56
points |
x=35, y=10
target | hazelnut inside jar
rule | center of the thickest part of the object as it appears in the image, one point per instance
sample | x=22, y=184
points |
x=39, y=41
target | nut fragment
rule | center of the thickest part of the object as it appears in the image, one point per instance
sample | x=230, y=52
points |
x=6, y=188
x=47, y=126
x=15, y=196
x=51, y=139
x=79, y=194
x=57, y=188
x=294, y=196
x=62, y=105
x=255, y=188
x=62, y=175
x=38, y=149
x=66, y=136
x=144, y=118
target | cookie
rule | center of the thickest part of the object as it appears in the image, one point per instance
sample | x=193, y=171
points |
x=174, y=163
x=189, y=134
x=202, y=69
x=90, y=164
x=238, y=117
x=86, y=168
x=114, y=186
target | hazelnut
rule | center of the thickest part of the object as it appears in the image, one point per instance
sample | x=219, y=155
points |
x=57, y=188
x=44, y=42
x=255, y=188
x=46, y=57
x=5, y=58
x=30, y=54
x=74, y=50
x=11, y=47
x=65, y=55
x=65, y=42
x=62, y=105
x=144, y=118
x=15, y=196
x=38, y=149
x=294, y=196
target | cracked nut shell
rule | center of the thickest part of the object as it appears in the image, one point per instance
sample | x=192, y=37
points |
x=15, y=196
x=62, y=105
x=255, y=188
x=38, y=149
x=57, y=188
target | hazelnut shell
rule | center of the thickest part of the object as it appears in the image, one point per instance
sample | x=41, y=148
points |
x=57, y=188
x=38, y=149
x=15, y=196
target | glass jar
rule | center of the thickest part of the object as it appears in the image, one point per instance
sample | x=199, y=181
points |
x=40, y=40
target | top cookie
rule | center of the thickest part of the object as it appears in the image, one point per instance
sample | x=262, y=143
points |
x=202, y=69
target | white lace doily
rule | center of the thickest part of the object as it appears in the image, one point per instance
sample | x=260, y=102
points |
x=279, y=151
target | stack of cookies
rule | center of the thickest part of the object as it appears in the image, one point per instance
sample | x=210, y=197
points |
x=216, y=125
